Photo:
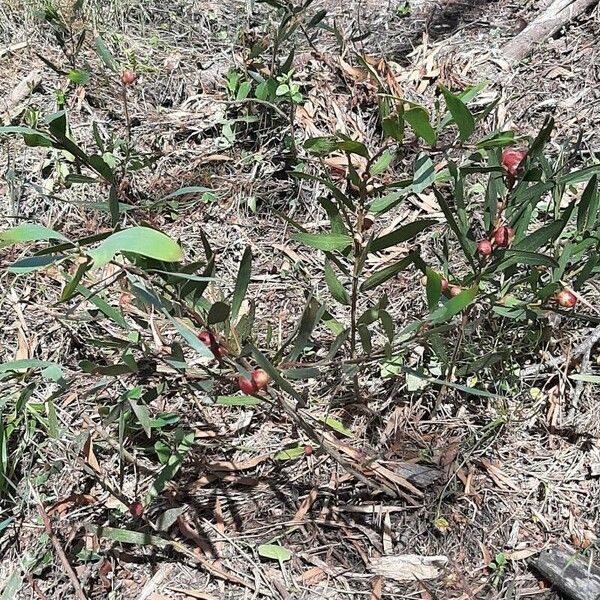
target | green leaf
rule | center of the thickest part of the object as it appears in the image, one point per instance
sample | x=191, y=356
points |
x=310, y=319
x=386, y=273
x=105, y=54
x=79, y=76
x=460, y=113
x=29, y=232
x=110, y=311
x=238, y=401
x=143, y=416
x=336, y=426
x=302, y=373
x=32, y=137
x=335, y=286
x=71, y=286
x=541, y=237
x=402, y=234
x=585, y=377
x=113, y=205
x=382, y=163
x=418, y=118
x=434, y=288
x=170, y=469
x=26, y=363
x=424, y=174
x=138, y=240
x=578, y=176
x=454, y=305
x=353, y=147
x=289, y=453
x=586, y=218
x=12, y=586
x=514, y=256
x=328, y=242
x=193, y=190
x=189, y=336
x=321, y=146
x=218, y=313
x=385, y=203
x=241, y=282
x=275, y=552
x=34, y=263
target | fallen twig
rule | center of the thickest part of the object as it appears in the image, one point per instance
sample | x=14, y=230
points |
x=61, y=554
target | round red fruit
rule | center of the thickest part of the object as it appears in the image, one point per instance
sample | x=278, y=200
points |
x=484, y=247
x=308, y=450
x=128, y=77
x=206, y=338
x=247, y=385
x=566, y=298
x=261, y=379
x=511, y=159
x=136, y=509
x=455, y=290
x=444, y=284
x=503, y=236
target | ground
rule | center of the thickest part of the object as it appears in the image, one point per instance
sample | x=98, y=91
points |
x=484, y=482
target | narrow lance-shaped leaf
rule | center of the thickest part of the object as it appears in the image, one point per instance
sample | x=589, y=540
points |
x=383, y=275
x=29, y=232
x=588, y=206
x=328, y=242
x=402, y=234
x=241, y=283
x=335, y=286
x=460, y=113
x=434, y=288
x=454, y=305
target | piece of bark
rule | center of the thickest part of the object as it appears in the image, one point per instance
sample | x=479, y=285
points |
x=570, y=574
x=547, y=23
x=11, y=106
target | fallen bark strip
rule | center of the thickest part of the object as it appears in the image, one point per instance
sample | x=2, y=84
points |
x=547, y=23
x=570, y=574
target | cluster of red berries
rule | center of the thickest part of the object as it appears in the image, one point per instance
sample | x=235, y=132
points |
x=502, y=238
x=259, y=380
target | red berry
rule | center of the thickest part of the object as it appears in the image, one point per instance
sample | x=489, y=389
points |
x=308, y=450
x=247, y=385
x=261, y=379
x=455, y=290
x=484, y=247
x=136, y=509
x=444, y=284
x=511, y=159
x=503, y=236
x=566, y=298
x=206, y=338
x=128, y=77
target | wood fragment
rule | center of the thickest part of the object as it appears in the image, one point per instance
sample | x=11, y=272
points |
x=60, y=553
x=571, y=574
x=11, y=106
x=547, y=23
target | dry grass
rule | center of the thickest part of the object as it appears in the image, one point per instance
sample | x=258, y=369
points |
x=511, y=476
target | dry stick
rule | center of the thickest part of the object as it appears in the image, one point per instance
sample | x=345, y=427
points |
x=543, y=26
x=444, y=389
x=61, y=554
